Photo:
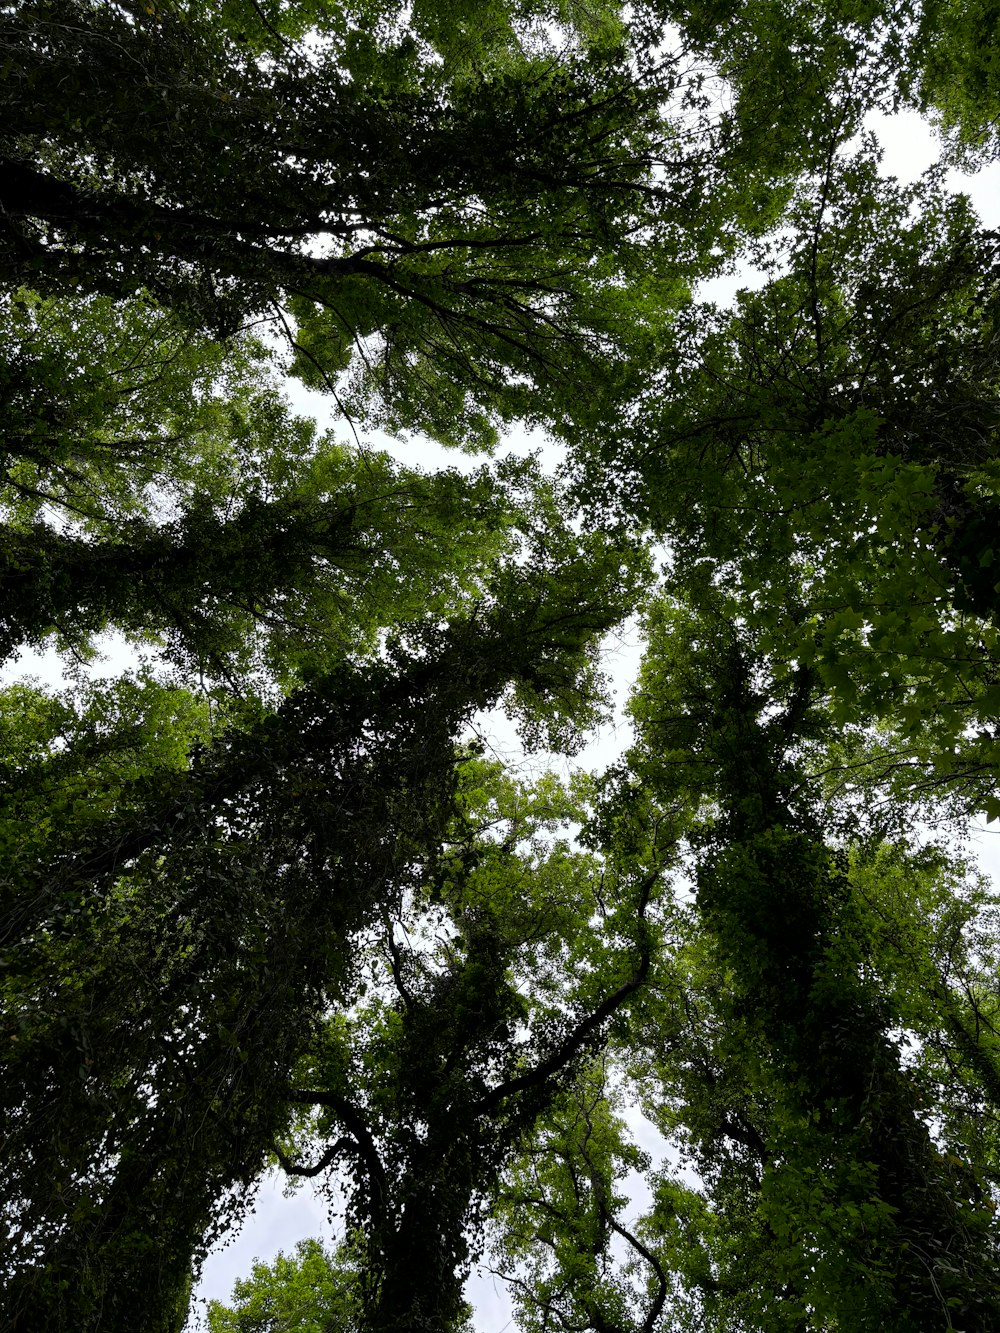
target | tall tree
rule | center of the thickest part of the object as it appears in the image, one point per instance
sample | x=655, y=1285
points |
x=707, y=1241
x=176, y=936
x=889, y=1238
x=453, y=215
x=429, y=1089
x=490, y=987
x=157, y=483
x=829, y=448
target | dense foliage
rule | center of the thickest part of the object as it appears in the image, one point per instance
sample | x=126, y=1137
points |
x=268, y=901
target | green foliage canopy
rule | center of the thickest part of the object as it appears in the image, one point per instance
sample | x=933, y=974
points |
x=265, y=904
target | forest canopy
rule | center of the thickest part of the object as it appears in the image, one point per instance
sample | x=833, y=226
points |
x=269, y=900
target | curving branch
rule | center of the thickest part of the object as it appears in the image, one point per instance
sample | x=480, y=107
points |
x=361, y=1141
x=329, y=1157
x=662, y=1286
x=579, y=1036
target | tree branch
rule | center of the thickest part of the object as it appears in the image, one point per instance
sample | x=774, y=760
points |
x=298, y=1169
x=353, y=1120
x=578, y=1037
